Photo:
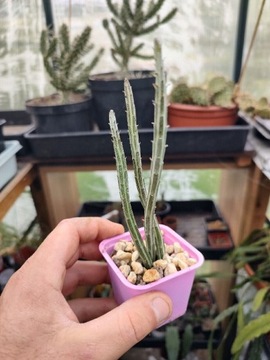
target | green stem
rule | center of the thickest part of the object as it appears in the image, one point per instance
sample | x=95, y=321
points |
x=122, y=175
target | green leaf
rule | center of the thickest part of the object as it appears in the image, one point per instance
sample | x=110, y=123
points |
x=254, y=329
x=187, y=341
x=226, y=313
x=172, y=342
x=259, y=297
x=240, y=317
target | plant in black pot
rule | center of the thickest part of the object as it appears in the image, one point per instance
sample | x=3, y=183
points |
x=70, y=109
x=128, y=22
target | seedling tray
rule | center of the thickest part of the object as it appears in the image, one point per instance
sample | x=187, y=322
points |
x=191, y=218
x=17, y=132
x=213, y=141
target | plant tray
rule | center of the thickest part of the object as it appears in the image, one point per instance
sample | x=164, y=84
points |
x=191, y=218
x=8, y=163
x=17, y=132
x=213, y=141
x=16, y=117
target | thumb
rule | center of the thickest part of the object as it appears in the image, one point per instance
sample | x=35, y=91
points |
x=117, y=331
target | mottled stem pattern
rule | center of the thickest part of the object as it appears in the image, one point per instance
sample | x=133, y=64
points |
x=153, y=247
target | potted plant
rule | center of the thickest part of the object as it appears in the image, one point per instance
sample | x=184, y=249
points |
x=215, y=104
x=70, y=108
x=204, y=106
x=249, y=317
x=141, y=263
x=15, y=248
x=128, y=22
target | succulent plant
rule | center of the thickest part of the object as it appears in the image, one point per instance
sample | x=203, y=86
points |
x=129, y=22
x=218, y=91
x=153, y=247
x=254, y=107
x=62, y=60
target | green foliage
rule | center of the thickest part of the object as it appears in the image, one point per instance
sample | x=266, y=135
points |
x=178, y=346
x=129, y=22
x=254, y=329
x=172, y=342
x=218, y=91
x=63, y=60
x=153, y=247
x=254, y=324
x=11, y=240
x=254, y=107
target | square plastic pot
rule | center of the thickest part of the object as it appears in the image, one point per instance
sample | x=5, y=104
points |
x=177, y=286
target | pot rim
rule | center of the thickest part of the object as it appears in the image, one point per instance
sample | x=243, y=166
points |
x=188, y=107
x=106, y=246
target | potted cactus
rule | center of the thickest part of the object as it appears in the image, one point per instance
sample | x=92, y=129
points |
x=211, y=105
x=70, y=108
x=128, y=22
x=153, y=257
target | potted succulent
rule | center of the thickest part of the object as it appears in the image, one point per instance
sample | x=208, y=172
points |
x=249, y=317
x=215, y=104
x=140, y=259
x=211, y=105
x=128, y=22
x=70, y=108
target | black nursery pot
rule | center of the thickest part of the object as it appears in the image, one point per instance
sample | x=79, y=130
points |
x=109, y=95
x=68, y=118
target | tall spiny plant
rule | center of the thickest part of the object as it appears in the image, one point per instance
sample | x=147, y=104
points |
x=130, y=22
x=153, y=246
x=62, y=59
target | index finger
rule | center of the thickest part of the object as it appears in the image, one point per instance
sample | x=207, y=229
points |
x=71, y=239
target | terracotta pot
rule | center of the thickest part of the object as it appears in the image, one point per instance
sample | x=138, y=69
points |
x=177, y=285
x=182, y=115
x=259, y=284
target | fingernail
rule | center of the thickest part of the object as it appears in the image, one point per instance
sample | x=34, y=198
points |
x=161, y=309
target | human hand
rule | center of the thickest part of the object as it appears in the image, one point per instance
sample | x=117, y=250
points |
x=37, y=322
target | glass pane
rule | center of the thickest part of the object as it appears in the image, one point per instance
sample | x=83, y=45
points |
x=197, y=42
x=257, y=78
x=21, y=68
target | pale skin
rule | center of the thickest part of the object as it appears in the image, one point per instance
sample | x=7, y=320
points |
x=36, y=320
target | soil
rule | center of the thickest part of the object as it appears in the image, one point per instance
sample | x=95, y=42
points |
x=56, y=99
x=120, y=76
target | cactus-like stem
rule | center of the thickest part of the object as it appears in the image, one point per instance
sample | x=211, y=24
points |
x=122, y=175
x=130, y=21
x=153, y=247
x=63, y=60
x=137, y=162
x=158, y=151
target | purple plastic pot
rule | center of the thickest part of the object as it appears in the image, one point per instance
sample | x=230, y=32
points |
x=177, y=286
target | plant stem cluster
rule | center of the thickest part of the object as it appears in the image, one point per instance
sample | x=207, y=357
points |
x=129, y=22
x=62, y=59
x=153, y=246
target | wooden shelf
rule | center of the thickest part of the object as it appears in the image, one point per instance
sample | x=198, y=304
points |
x=24, y=177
